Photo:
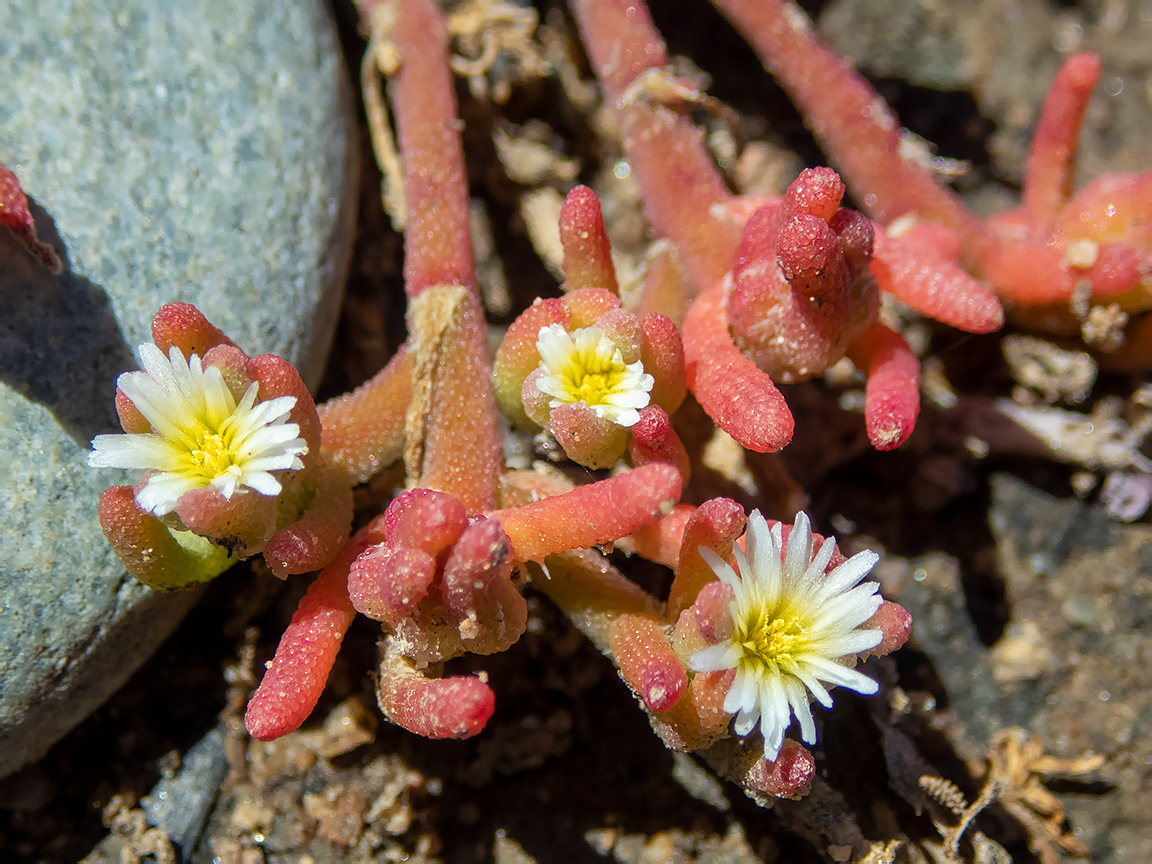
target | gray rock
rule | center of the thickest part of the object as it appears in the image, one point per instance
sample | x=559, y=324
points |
x=1006, y=54
x=179, y=805
x=1072, y=667
x=176, y=151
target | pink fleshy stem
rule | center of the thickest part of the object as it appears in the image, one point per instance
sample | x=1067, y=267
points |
x=587, y=253
x=654, y=440
x=523, y=487
x=386, y=582
x=698, y=719
x=1051, y=160
x=895, y=623
x=916, y=269
x=363, y=431
x=715, y=525
x=293, y=683
x=662, y=353
x=892, y=395
x=591, y=515
x=451, y=438
x=1038, y=273
x=850, y=120
x=592, y=593
x=647, y=662
x=456, y=707
x=479, y=563
x=707, y=621
x=660, y=539
x=589, y=440
x=131, y=420
x=667, y=289
x=149, y=550
x=277, y=377
x=732, y=391
x=678, y=180
x=315, y=538
x=789, y=776
x=585, y=307
x=234, y=366
x=437, y=237
x=183, y=325
x=241, y=522
x=425, y=519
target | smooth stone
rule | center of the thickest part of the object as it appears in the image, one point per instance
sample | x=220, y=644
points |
x=201, y=151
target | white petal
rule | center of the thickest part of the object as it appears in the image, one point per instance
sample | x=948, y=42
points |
x=799, y=551
x=551, y=386
x=228, y=484
x=715, y=658
x=798, y=700
x=820, y=562
x=632, y=398
x=720, y=567
x=270, y=412
x=841, y=676
x=746, y=721
x=851, y=609
x=854, y=642
x=154, y=363
x=161, y=493
x=764, y=558
x=847, y=574
x=771, y=726
x=143, y=451
x=627, y=418
x=734, y=698
x=757, y=540
x=270, y=439
x=772, y=745
x=263, y=483
x=814, y=686
x=218, y=401
x=279, y=462
x=777, y=701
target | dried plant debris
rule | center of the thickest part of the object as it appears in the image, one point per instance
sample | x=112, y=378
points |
x=294, y=800
x=1126, y=495
x=1046, y=373
x=1017, y=766
x=1109, y=438
x=495, y=47
x=1011, y=775
x=946, y=793
x=130, y=839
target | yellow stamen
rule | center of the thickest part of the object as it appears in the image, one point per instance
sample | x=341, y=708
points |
x=770, y=640
x=212, y=454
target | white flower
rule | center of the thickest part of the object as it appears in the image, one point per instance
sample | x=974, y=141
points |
x=586, y=366
x=791, y=627
x=200, y=436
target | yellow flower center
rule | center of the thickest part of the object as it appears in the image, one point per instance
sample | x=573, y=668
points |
x=212, y=454
x=770, y=639
x=592, y=379
x=594, y=386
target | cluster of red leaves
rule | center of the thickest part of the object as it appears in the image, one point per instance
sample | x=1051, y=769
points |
x=15, y=216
